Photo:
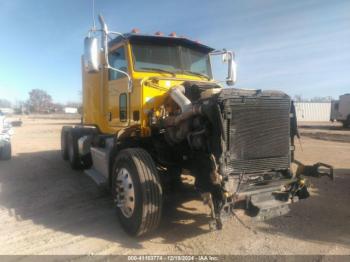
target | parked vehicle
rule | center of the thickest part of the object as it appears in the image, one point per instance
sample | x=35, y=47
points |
x=5, y=138
x=340, y=110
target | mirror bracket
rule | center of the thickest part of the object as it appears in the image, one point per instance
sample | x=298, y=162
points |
x=228, y=56
x=105, y=34
x=92, y=51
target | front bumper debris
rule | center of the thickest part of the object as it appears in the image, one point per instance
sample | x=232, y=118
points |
x=317, y=170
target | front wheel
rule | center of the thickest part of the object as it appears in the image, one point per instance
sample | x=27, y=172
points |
x=137, y=191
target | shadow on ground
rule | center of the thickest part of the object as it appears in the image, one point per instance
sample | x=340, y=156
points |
x=325, y=131
x=42, y=188
x=324, y=127
x=327, y=136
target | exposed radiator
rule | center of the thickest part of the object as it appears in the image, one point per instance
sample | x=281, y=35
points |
x=257, y=126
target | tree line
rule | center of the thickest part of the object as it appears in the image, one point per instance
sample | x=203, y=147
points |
x=39, y=101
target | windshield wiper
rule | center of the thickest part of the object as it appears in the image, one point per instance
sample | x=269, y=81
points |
x=196, y=74
x=158, y=70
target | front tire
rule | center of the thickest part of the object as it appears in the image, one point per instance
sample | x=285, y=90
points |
x=137, y=192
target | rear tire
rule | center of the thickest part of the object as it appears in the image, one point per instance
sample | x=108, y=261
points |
x=6, y=151
x=135, y=176
x=72, y=149
x=64, y=144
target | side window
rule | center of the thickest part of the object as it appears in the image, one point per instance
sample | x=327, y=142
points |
x=123, y=109
x=118, y=61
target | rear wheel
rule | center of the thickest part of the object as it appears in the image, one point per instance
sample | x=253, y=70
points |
x=137, y=191
x=72, y=149
x=64, y=144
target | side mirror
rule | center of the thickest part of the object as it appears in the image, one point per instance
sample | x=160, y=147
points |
x=232, y=68
x=91, y=54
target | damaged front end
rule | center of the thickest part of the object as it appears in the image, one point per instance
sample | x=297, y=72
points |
x=239, y=145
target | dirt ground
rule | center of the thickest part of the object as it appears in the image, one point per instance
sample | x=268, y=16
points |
x=46, y=208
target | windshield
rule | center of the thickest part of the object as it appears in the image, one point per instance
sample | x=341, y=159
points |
x=170, y=59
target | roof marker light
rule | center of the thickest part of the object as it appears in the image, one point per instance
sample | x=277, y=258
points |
x=135, y=31
x=159, y=33
x=173, y=34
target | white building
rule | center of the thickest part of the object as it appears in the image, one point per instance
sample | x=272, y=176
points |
x=7, y=111
x=313, y=111
x=71, y=110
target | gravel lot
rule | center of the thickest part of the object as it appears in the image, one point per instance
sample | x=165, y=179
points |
x=46, y=208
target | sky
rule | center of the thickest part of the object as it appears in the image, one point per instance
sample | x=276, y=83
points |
x=301, y=47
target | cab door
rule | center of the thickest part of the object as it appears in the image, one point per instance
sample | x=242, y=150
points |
x=118, y=96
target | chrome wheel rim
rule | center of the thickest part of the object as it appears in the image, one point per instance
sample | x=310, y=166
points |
x=125, y=193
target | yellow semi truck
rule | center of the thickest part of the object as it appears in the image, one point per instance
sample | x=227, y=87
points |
x=151, y=109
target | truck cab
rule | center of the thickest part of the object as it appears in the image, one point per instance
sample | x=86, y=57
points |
x=152, y=64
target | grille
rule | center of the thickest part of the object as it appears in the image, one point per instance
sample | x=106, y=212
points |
x=257, y=130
